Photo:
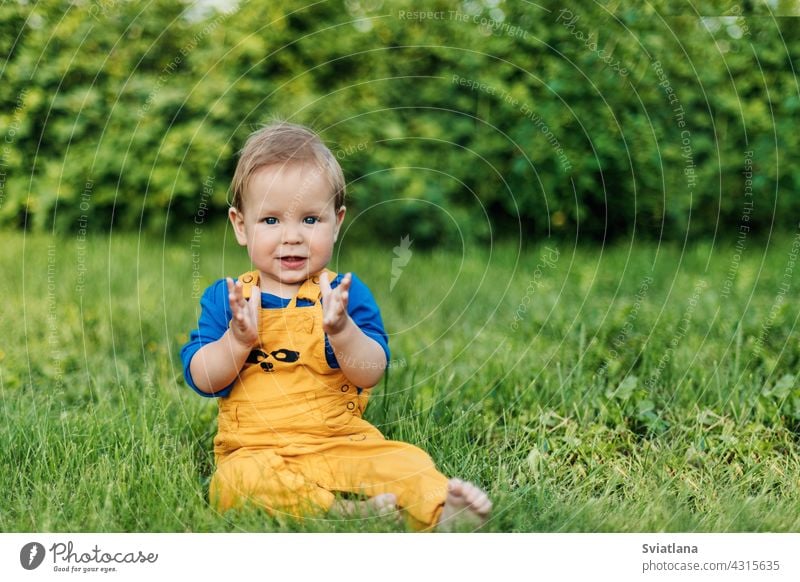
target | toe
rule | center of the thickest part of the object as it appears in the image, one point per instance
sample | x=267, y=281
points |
x=385, y=501
x=477, y=499
x=455, y=487
x=468, y=495
x=472, y=493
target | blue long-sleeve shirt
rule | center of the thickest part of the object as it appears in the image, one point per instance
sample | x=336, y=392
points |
x=216, y=316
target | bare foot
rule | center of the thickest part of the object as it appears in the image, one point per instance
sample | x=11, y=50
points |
x=466, y=508
x=383, y=504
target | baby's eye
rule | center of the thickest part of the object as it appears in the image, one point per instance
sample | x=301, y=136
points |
x=271, y=220
x=310, y=219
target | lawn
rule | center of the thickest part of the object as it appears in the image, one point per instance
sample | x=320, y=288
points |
x=625, y=388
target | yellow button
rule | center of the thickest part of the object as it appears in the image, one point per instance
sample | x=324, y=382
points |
x=345, y=388
x=350, y=406
x=247, y=279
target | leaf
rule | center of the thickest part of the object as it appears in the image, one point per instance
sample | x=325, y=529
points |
x=625, y=389
x=536, y=461
x=783, y=387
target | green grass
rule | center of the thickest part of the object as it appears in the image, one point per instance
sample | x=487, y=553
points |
x=591, y=409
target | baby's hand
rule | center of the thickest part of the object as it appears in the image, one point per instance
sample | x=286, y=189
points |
x=244, y=322
x=334, y=303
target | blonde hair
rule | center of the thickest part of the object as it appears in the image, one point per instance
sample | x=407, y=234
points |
x=281, y=143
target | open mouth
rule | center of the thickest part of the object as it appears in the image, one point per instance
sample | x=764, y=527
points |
x=292, y=262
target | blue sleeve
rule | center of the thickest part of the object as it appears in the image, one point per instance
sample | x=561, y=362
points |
x=214, y=319
x=366, y=315
x=363, y=309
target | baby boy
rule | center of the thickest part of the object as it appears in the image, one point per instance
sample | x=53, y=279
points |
x=291, y=351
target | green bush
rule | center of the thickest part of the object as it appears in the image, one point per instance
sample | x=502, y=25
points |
x=492, y=119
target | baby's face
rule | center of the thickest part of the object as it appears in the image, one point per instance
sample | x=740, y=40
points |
x=289, y=224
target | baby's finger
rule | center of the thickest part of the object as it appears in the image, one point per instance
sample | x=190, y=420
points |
x=238, y=302
x=240, y=293
x=324, y=284
x=339, y=309
x=346, y=282
x=327, y=305
x=332, y=310
x=234, y=305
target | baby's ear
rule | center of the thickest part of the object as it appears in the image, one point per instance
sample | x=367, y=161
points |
x=339, y=219
x=237, y=220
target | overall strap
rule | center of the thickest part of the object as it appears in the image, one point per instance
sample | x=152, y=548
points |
x=248, y=280
x=310, y=289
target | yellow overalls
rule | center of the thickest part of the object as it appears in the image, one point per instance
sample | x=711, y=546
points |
x=290, y=433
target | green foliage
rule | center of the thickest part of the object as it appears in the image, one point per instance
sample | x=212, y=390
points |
x=494, y=119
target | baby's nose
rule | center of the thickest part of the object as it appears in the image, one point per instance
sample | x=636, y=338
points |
x=292, y=235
